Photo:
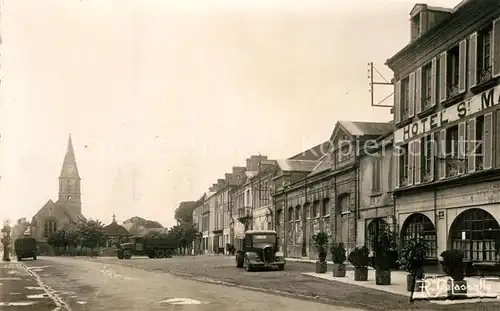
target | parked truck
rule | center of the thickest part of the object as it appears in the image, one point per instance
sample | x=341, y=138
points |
x=153, y=247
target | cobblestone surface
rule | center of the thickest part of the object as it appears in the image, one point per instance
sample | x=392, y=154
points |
x=222, y=269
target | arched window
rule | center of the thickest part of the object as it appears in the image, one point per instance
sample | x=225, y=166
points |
x=49, y=227
x=419, y=225
x=475, y=232
x=373, y=230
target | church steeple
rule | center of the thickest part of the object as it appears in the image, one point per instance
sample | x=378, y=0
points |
x=69, y=179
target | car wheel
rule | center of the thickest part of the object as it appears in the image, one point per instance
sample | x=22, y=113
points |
x=281, y=267
x=248, y=266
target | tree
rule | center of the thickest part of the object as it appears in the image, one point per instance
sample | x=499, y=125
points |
x=184, y=213
x=184, y=233
x=90, y=234
x=59, y=241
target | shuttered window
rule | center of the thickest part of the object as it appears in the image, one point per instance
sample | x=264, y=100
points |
x=495, y=35
x=404, y=165
x=376, y=174
x=453, y=71
x=405, y=99
x=427, y=147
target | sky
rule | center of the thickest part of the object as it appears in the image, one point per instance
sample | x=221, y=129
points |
x=163, y=97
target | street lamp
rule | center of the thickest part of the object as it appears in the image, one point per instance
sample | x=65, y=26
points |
x=6, y=242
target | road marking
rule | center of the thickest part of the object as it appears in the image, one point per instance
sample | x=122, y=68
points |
x=15, y=293
x=59, y=302
x=34, y=288
x=81, y=302
x=45, y=295
x=10, y=279
x=183, y=301
x=39, y=267
x=19, y=303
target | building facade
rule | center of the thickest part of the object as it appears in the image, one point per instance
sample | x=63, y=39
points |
x=333, y=193
x=447, y=122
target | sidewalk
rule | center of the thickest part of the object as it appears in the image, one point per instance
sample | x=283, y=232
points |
x=435, y=288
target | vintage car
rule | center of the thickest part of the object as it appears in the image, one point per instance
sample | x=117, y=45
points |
x=260, y=250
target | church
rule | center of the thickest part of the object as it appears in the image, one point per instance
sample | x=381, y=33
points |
x=66, y=212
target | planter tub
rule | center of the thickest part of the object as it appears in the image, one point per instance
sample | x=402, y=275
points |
x=320, y=266
x=383, y=277
x=360, y=273
x=339, y=270
x=419, y=285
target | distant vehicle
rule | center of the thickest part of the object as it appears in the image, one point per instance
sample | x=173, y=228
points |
x=260, y=250
x=153, y=247
x=26, y=247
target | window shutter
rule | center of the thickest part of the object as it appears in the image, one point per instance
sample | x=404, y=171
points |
x=461, y=146
x=442, y=154
x=497, y=139
x=433, y=156
x=418, y=90
x=471, y=148
x=488, y=140
x=397, y=160
x=411, y=103
x=418, y=159
x=374, y=173
x=462, y=66
x=434, y=82
x=442, y=77
x=495, y=43
x=411, y=162
x=397, y=102
x=473, y=60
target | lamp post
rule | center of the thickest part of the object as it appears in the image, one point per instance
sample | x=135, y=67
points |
x=6, y=242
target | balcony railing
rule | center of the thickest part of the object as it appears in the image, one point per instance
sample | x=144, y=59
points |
x=426, y=103
x=244, y=212
x=479, y=162
x=453, y=90
x=454, y=166
x=405, y=113
x=484, y=75
x=426, y=176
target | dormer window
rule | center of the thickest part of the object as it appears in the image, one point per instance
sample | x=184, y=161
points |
x=416, y=26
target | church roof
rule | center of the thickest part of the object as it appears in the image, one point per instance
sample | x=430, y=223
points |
x=74, y=216
x=69, y=167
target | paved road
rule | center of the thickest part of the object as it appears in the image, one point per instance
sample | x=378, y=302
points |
x=290, y=281
x=90, y=284
x=20, y=290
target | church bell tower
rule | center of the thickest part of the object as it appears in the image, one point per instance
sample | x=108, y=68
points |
x=69, y=180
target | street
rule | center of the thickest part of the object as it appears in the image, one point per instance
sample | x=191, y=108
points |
x=66, y=283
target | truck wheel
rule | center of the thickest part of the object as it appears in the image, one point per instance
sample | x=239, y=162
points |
x=281, y=267
x=160, y=253
x=127, y=254
x=168, y=254
x=34, y=257
x=19, y=258
x=119, y=255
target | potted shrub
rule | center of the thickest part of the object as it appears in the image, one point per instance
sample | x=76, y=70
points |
x=320, y=240
x=359, y=259
x=412, y=260
x=453, y=265
x=338, y=257
x=382, y=247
